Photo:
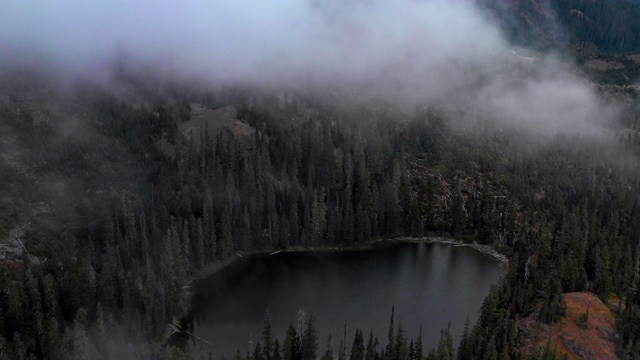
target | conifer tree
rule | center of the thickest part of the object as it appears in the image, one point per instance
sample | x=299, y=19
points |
x=310, y=340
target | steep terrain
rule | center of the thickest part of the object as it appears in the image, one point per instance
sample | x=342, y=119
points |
x=115, y=194
x=587, y=331
x=589, y=28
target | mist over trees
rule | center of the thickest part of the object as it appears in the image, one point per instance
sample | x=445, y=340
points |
x=294, y=171
x=590, y=27
x=121, y=180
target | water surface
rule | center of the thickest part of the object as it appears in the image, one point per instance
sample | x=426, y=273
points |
x=429, y=284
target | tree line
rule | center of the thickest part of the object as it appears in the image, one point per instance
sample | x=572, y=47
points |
x=311, y=173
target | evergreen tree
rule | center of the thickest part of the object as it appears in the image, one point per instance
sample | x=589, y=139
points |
x=291, y=345
x=328, y=353
x=371, y=347
x=226, y=241
x=390, y=344
x=310, y=340
x=4, y=352
x=267, y=336
x=342, y=349
x=20, y=348
x=357, y=348
x=445, y=346
x=258, y=353
x=276, y=351
x=400, y=351
x=465, y=348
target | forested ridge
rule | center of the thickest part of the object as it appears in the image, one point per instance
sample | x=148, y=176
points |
x=588, y=27
x=139, y=204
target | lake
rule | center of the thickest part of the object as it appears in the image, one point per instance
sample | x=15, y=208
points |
x=429, y=284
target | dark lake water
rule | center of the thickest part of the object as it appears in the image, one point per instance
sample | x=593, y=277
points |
x=430, y=285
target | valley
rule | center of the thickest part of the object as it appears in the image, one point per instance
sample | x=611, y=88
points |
x=398, y=167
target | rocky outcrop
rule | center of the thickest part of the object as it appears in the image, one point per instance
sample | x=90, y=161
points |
x=575, y=336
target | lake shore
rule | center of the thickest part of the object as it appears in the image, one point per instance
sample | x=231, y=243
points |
x=487, y=250
x=398, y=271
x=484, y=249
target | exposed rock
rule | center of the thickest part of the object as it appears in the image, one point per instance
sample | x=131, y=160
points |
x=214, y=121
x=12, y=246
x=603, y=65
x=596, y=340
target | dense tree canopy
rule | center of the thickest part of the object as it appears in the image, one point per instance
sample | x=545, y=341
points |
x=155, y=202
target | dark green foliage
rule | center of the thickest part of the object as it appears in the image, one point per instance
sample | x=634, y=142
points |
x=291, y=345
x=267, y=337
x=389, y=352
x=310, y=340
x=342, y=350
x=314, y=174
x=608, y=26
x=402, y=348
x=372, y=347
x=328, y=354
x=583, y=320
x=357, y=349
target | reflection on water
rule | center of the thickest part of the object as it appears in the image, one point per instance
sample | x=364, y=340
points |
x=430, y=285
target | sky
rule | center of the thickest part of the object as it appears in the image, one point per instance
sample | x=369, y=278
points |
x=430, y=51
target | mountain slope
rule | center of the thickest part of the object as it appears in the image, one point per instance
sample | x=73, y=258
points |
x=587, y=26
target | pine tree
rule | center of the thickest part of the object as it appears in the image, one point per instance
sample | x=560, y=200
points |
x=328, y=353
x=20, y=348
x=238, y=355
x=390, y=344
x=357, y=349
x=226, y=241
x=291, y=345
x=491, y=352
x=445, y=346
x=258, y=353
x=108, y=275
x=400, y=352
x=267, y=336
x=412, y=350
x=465, y=348
x=51, y=338
x=310, y=340
x=419, y=345
x=4, y=352
x=37, y=323
x=277, y=355
x=185, y=242
x=199, y=253
x=294, y=221
x=342, y=349
x=371, y=350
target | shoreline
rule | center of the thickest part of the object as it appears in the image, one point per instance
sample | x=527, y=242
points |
x=486, y=250
x=483, y=249
x=212, y=269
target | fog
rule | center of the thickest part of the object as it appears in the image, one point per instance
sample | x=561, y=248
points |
x=440, y=52
x=254, y=40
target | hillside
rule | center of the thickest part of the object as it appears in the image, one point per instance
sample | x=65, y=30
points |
x=139, y=152
x=589, y=28
x=586, y=331
x=121, y=198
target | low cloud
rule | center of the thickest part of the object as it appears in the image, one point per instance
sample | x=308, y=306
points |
x=426, y=51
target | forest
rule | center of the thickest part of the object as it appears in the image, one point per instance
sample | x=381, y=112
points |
x=145, y=145
x=591, y=27
x=138, y=205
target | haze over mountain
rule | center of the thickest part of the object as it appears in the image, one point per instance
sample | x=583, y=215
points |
x=144, y=145
x=449, y=53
